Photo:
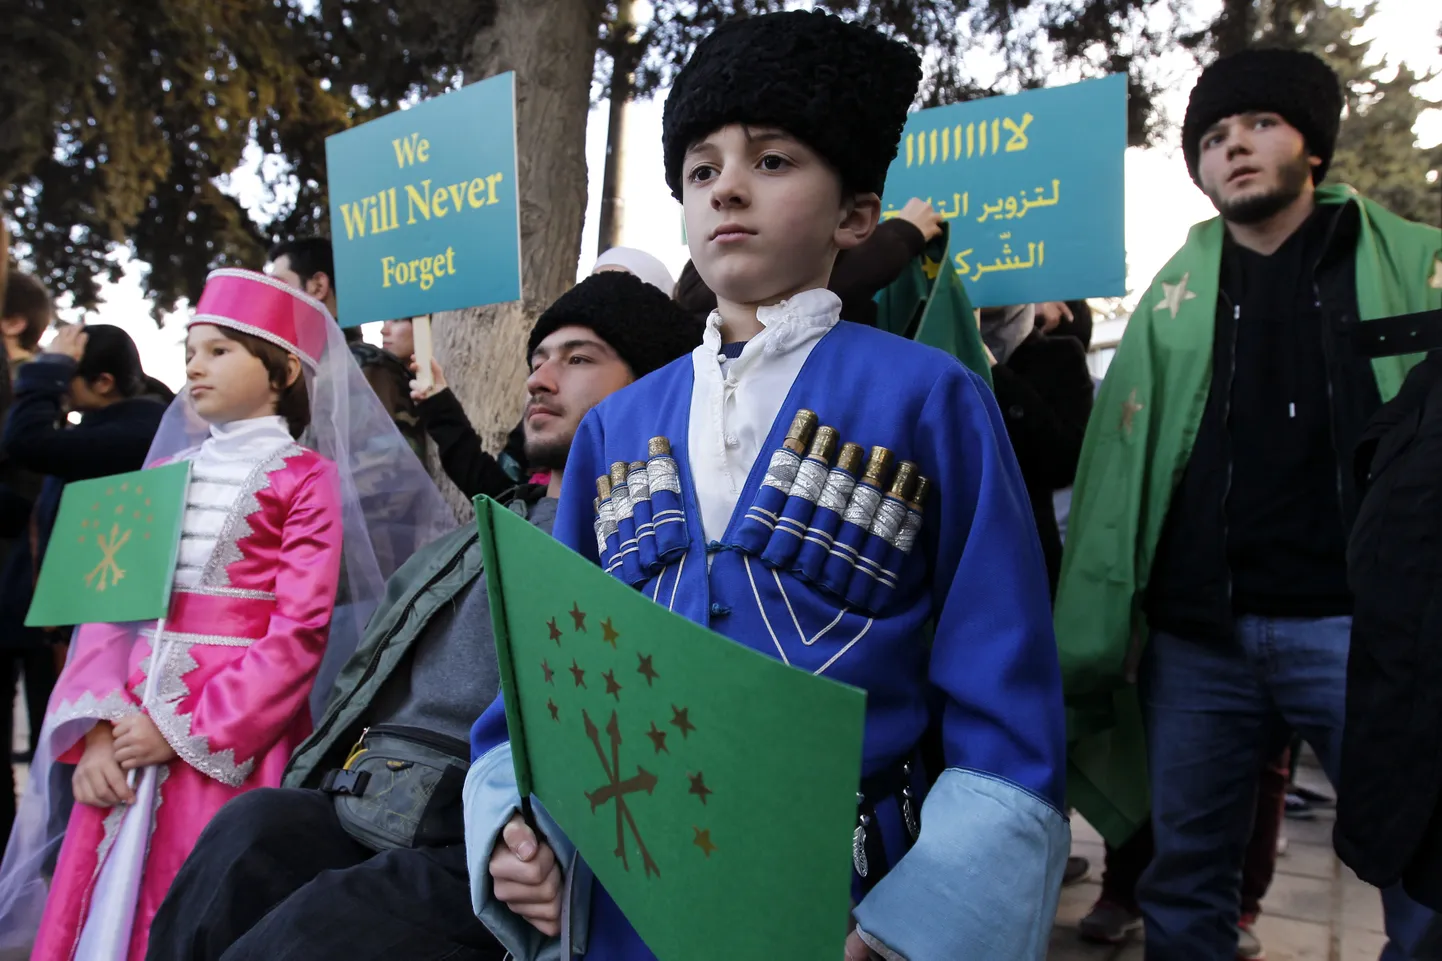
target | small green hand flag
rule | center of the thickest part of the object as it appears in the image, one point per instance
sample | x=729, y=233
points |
x=928, y=303
x=711, y=789
x=111, y=555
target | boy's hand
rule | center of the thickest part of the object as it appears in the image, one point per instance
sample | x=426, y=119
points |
x=139, y=743
x=526, y=877
x=98, y=780
x=856, y=949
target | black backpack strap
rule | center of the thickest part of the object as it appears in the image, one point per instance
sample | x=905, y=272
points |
x=1393, y=336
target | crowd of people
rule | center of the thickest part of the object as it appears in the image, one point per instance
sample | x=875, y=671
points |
x=1128, y=598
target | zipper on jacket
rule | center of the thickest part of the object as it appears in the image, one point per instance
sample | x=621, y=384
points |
x=1231, y=454
x=1329, y=351
x=330, y=716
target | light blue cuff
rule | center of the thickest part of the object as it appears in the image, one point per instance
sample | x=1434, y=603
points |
x=490, y=800
x=982, y=881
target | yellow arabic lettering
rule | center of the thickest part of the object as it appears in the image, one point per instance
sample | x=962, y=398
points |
x=982, y=137
x=1018, y=139
x=1011, y=208
x=963, y=269
x=1036, y=256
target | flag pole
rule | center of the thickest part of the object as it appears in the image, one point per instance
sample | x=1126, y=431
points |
x=157, y=659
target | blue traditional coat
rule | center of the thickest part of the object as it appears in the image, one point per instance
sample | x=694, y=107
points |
x=982, y=878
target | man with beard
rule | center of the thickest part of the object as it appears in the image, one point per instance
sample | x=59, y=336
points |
x=360, y=855
x=1207, y=550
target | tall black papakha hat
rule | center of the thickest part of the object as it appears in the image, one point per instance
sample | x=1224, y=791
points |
x=1293, y=83
x=840, y=88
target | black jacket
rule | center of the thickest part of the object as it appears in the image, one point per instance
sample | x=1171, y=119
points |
x=1190, y=588
x=1045, y=393
x=36, y=437
x=1389, y=801
x=463, y=458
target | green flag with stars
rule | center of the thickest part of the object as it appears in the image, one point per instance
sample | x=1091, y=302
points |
x=712, y=789
x=111, y=554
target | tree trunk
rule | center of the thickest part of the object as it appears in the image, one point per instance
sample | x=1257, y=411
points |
x=551, y=46
x=623, y=85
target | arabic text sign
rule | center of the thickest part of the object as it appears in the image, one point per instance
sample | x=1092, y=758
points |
x=423, y=206
x=1032, y=187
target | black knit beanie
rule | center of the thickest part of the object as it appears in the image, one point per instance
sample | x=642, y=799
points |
x=1292, y=83
x=640, y=323
x=840, y=88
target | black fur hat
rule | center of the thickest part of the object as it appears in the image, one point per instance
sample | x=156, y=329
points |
x=1293, y=83
x=644, y=326
x=840, y=88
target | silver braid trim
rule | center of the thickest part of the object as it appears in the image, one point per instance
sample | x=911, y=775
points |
x=781, y=472
x=862, y=506
x=810, y=479
x=887, y=522
x=663, y=475
x=621, y=502
x=193, y=749
x=906, y=537
x=837, y=492
x=639, y=486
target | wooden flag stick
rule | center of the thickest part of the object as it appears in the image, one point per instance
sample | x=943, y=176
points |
x=421, y=336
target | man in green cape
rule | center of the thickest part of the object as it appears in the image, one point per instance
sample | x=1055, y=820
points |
x=1203, y=608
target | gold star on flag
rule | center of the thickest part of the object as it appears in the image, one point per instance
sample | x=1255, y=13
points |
x=1131, y=407
x=703, y=840
x=609, y=633
x=1174, y=295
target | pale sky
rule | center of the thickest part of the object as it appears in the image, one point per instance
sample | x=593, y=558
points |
x=1161, y=201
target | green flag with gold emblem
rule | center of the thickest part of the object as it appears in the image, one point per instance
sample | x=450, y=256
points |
x=712, y=789
x=111, y=554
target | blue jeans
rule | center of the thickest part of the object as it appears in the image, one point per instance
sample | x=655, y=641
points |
x=1215, y=713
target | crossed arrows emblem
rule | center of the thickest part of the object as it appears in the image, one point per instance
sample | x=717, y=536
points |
x=616, y=790
x=108, y=567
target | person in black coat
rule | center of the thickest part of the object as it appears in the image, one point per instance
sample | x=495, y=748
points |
x=95, y=371
x=1044, y=389
x=1389, y=799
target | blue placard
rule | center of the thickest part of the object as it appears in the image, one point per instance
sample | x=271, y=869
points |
x=423, y=206
x=1032, y=185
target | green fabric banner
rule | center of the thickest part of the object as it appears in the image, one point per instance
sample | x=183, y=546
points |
x=928, y=304
x=1137, y=445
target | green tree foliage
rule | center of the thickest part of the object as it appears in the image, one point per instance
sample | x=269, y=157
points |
x=120, y=124
x=1377, y=151
x=120, y=121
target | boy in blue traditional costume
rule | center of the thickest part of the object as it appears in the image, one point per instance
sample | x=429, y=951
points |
x=825, y=493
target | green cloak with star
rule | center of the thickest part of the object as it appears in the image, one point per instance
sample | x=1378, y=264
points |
x=1137, y=445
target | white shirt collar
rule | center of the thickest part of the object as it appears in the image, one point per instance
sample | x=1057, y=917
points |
x=786, y=323
x=250, y=438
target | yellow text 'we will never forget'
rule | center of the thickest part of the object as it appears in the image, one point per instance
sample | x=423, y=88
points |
x=379, y=213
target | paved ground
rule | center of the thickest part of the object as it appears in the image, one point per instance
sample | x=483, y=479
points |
x=1316, y=909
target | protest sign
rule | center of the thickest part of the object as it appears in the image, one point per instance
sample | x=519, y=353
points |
x=1031, y=185
x=423, y=209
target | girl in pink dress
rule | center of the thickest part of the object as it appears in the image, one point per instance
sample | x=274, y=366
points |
x=269, y=524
